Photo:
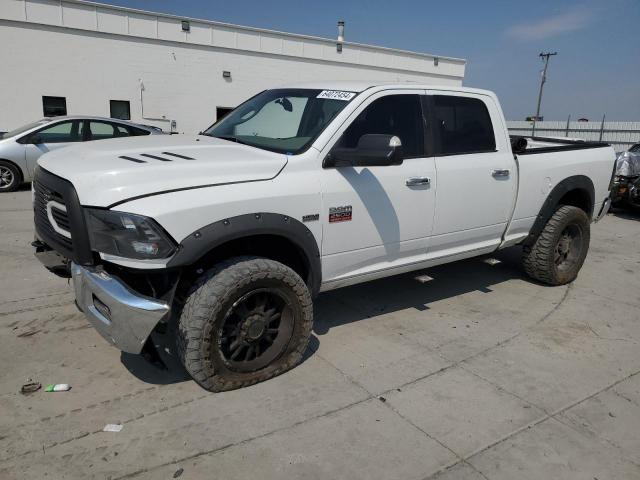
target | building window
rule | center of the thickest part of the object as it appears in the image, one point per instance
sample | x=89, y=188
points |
x=222, y=112
x=54, y=106
x=120, y=109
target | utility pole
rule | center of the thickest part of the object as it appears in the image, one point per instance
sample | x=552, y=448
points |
x=543, y=78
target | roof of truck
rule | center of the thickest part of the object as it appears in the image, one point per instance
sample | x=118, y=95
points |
x=360, y=86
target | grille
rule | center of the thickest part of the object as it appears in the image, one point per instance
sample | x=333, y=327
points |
x=42, y=196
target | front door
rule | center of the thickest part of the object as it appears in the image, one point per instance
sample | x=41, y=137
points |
x=477, y=176
x=375, y=218
x=50, y=138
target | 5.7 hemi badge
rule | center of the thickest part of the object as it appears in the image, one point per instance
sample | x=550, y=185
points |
x=340, y=214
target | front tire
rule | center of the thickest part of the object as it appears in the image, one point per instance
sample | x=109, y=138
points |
x=557, y=255
x=10, y=177
x=246, y=320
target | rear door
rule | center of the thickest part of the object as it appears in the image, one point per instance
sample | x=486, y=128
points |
x=477, y=176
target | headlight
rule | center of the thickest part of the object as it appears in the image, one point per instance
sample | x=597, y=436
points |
x=127, y=235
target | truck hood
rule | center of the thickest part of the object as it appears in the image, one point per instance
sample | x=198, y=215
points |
x=105, y=172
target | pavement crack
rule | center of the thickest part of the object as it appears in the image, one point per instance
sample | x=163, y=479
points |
x=241, y=442
x=538, y=421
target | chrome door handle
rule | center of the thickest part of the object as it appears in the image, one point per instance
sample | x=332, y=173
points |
x=499, y=173
x=413, y=181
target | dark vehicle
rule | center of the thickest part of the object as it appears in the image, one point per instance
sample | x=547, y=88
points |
x=626, y=185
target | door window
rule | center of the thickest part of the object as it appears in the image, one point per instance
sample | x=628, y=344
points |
x=462, y=125
x=399, y=115
x=100, y=131
x=62, y=132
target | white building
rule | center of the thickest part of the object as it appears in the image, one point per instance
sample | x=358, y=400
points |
x=88, y=58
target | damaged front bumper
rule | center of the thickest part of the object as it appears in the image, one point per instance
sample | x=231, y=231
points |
x=604, y=209
x=123, y=317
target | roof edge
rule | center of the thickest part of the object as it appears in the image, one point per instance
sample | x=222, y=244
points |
x=263, y=30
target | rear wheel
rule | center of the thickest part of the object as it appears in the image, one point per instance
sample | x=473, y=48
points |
x=10, y=177
x=557, y=255
x=246, y=320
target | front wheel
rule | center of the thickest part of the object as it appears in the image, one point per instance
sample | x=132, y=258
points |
x=557, y=255
x=10, y=177
x=246, y=320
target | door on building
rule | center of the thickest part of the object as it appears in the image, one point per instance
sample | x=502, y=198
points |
x=384, y=214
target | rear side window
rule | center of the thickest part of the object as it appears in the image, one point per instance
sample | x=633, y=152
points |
x=100, y=131
x=121, y=131
x=138, y=131
x=462, y=125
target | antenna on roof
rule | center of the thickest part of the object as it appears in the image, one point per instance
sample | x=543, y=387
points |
x=340, y=36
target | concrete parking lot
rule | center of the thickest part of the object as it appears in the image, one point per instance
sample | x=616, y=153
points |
x=477, y=374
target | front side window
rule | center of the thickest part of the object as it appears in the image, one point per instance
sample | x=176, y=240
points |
x=399, y=115
x=54, y=106
x=282, y=120
x=462, y=125
x=62, y=132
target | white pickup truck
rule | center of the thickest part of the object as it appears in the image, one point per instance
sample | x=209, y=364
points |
x=224, y=238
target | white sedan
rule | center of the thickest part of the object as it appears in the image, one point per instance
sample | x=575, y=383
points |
x=21, y=148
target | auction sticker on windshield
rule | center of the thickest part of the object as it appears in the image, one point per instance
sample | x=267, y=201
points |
x=336, y=95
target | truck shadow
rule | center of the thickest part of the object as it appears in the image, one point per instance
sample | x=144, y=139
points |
x=374, y=298
x=400, y=292
x=626, y=213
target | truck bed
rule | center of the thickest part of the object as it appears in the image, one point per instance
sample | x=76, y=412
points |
x=547, y=161
x=553, y=144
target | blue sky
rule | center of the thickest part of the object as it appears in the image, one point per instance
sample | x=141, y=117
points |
x=596, y=71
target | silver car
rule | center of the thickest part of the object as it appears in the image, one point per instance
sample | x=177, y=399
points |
x=21, y=148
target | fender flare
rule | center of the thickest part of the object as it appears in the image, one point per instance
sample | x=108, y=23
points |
x=202, y=241
x=576, y=182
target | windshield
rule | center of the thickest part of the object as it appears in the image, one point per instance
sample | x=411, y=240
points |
x=24, y=128
x=284, y=120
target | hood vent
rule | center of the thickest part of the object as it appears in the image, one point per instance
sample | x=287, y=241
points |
x=131, y=159
x=148, y=155
x=156, y=157
x=178, y=155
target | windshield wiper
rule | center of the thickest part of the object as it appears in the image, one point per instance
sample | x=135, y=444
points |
x=232, y=138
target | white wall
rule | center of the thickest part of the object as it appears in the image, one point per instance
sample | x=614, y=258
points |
x=91, y=54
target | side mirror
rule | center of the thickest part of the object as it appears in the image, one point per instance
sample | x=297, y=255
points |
x=373, y=150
